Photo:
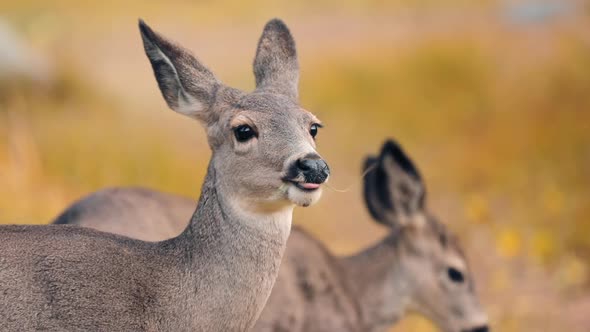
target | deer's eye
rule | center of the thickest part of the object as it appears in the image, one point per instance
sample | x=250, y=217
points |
x=244, y=133
x=313, y=130
x=455, y=275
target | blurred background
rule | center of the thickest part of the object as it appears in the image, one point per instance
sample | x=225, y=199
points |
x=490, y=98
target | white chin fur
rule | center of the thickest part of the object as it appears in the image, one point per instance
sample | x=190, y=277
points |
x=303, y=198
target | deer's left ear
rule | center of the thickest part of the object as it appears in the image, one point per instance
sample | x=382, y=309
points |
x=275, y=66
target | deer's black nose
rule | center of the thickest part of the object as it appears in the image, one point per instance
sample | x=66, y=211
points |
x=314, y=169
x=483, y=328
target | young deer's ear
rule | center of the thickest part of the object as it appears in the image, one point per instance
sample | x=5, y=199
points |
x=187, y=85
x=275, y=66
x=394, y=191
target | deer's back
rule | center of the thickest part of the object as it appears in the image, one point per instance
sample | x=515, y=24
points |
x=71, y=278
x=138, y=213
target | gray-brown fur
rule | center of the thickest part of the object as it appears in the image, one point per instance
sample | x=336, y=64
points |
x=148, y=207
x=217, y=273
x=318, y=291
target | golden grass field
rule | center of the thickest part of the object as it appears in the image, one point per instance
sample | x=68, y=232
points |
x=495, y=112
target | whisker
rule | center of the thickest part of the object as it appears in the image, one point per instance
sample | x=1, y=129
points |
x=370, y=168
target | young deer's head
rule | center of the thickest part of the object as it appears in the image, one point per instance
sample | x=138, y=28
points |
x=437, y=279
x=263, y=142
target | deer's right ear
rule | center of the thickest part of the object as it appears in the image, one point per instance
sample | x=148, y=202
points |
x=187, y=85
x=394, y=191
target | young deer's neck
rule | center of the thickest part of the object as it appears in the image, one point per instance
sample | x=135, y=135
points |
x=380, y=284
x=232, y=256
x=219, y=210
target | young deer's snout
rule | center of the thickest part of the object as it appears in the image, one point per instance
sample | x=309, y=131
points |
x=308, y=173
x=304, y=177
x=312, y=169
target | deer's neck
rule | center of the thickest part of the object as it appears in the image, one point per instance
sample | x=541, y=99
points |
x=379, y=283
x=232, y=257
x=219, y=213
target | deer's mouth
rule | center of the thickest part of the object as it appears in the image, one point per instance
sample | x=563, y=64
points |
x=302, y=193
x=304, y=186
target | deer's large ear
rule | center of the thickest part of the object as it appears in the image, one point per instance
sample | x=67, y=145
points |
x=187, y=85
x=394, y=191
x=275, y=66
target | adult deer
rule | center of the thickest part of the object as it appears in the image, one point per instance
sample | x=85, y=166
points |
x=218, y=273
x=418, y=267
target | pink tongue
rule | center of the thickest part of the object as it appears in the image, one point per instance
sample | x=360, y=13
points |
x=310, y=185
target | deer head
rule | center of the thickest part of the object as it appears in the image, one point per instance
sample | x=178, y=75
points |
x=263, y=142
x=430, y=263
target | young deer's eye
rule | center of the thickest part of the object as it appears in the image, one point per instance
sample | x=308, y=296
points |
x=244, y=133
x=455, y=275
x=313, y=131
